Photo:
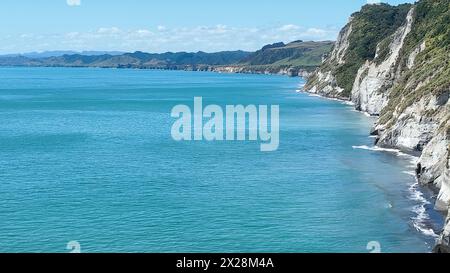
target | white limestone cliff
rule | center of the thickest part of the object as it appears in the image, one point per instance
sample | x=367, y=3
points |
x=371, y=87
x=418, y=125
x=323, y=82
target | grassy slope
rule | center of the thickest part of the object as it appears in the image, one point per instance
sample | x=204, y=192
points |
x=136, y=59
x=300, y=55
x=431, y=73
x=370, y=26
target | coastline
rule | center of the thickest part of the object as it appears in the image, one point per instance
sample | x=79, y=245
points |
x=297, y=218
x=417, y=191
x=405, y=82
x=422, y=194
x=230, y=69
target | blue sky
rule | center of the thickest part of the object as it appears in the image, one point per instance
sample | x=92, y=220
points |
x=170, y=25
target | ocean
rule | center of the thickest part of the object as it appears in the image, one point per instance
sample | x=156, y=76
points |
x=87, y=157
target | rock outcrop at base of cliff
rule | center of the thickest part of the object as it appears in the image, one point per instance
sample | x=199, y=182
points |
x=323, y=81
x=242, y=69
x=402, y=75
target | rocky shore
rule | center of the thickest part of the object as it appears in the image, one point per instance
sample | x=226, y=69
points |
x=286, y=71
x=406, y=83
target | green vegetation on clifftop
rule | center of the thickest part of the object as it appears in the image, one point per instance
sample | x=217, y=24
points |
x=369, y=26
x=298, y=55
x=431, y=72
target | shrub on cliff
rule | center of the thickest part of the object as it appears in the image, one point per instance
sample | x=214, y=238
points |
x=369, y=27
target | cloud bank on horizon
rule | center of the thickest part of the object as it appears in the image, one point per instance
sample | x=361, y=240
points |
x=74, y=2
x=160, y=26
x=162, y=39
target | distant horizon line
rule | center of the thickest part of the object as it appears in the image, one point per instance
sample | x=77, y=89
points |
x=121, y=52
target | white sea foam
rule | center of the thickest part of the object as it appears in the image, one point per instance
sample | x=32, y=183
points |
x=361, y=112
x=336, y=99
x=422, y=218
x=376, y=149
x=412, y=159
x=346, y=102
x=412, y=173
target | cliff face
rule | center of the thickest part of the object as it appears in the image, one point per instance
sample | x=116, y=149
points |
x=357, y=54
x=405, y=81
x=285, y=70
x=371, y=87
x=323, y=81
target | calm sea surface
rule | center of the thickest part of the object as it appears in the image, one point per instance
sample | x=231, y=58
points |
x=86, y=155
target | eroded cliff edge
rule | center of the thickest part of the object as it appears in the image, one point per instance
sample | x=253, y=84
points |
x=394, y=62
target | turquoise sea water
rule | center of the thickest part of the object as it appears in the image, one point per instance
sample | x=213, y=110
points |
x=86, y=155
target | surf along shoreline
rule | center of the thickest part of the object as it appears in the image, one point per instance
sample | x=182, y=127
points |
x=426, y=217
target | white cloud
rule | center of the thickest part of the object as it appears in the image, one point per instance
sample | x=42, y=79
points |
x=161, y=28
x=73, y=2
x=162, y=38
x=143, y=33
x=109, y=30
x=289, y=27
x=373, y=2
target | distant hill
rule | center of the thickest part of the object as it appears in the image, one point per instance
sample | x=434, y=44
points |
x=293, y=59
x=137, y=59
x=47, y=54
x=296, y=54
x=275, y=58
